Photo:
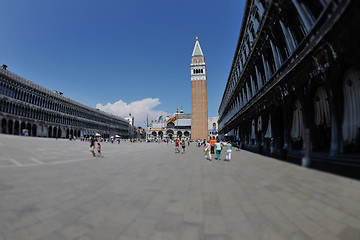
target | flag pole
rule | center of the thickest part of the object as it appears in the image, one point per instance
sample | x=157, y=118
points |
x=147, y=125
x=177, y=124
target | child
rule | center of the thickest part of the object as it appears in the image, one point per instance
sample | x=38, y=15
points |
x=228, y=151
x=99, y=150
x=207, y=150
x=177, y=146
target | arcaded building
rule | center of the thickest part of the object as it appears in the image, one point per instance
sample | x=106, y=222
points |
x=199, y=107
x=29, y=109
x=295, y=77
x=178, y=126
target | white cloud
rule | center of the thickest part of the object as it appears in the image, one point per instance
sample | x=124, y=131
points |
x=138, y=109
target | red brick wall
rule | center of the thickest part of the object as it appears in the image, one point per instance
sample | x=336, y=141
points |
x=199, y=110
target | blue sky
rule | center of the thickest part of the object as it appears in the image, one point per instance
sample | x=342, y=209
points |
x=121, y=56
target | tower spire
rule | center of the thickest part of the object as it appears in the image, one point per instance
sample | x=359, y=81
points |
x=197, y=49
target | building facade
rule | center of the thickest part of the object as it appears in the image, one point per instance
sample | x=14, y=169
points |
x=130, y=119
x=176, y=127
x=295, y=78
x=179, y=127
x=199, y=107
x=29, y=109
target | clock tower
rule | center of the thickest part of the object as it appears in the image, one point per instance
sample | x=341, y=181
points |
x=199, y=107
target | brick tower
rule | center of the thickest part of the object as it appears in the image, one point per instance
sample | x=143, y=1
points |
x=199, y=107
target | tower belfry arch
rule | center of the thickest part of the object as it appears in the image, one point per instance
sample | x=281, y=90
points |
x=199, y=107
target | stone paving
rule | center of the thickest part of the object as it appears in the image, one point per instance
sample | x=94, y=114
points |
x=54, y=190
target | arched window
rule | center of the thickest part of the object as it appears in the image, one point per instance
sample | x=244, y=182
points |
x=314, y=7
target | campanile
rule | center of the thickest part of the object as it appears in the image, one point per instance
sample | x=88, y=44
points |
x=199, y=107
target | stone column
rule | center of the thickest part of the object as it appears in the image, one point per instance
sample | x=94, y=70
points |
x=260, y=7
x=258, y=77
x=266, y=68
x=251, y=38
x=289, y=39
x=305, y=109
x=253, y=88
x=336, y=117
x=255, y=23
x=275, y=55
x=286, y=107
x=304, y=15
x=247, y=49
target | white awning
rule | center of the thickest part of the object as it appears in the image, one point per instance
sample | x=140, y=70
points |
x=252, y=129
x=268, y=133
x=297, y=123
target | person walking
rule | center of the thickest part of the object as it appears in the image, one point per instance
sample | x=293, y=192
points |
x=228, y=151
x=238, y=144
x=99, y=150
x=183, y=144
x=92, y=146
x=177, y=146
x=218, y=149
x=212, y=145
x=207, y=150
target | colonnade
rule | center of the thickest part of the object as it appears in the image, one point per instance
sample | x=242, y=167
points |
x=29, y=109
x=264, y=52
x=288, y=75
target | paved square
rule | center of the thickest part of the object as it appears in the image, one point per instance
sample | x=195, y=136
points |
x=54, y=190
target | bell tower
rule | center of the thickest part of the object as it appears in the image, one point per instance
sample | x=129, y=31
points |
x=199, y=107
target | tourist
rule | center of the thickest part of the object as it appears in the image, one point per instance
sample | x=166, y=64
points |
x=218, y=149
x=272, y=147
x=238, y=144
x=212, y=145
x=228, y=151
x=92, y=146
x=207, y=151
x=183, y=146
x=99, y=150
x=177, y=146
